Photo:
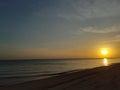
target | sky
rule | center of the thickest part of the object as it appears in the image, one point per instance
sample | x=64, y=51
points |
x=59, y=28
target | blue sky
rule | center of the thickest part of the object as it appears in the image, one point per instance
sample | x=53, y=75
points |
x=58, y=28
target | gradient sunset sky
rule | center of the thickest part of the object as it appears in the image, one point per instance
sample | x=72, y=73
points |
x=59, y=28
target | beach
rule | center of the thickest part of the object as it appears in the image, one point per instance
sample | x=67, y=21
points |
x=99, y=78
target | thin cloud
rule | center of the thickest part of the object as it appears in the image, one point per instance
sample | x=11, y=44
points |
x=93, y=29
x=88, y=9
x=114, y=39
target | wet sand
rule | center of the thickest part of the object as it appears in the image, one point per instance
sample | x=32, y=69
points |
x=99, y=78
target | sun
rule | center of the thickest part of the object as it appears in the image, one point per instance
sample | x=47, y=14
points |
x=104, y=52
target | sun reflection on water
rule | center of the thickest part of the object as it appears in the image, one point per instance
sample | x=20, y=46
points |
x=105, y=62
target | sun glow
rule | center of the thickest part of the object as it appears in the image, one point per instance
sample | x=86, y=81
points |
x=104, y=51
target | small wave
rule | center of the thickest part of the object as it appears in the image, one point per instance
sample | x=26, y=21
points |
x=25, y=76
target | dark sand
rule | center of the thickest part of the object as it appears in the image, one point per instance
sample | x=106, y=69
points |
x=100, y=78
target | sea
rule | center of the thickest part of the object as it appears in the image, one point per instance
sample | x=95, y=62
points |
x=19, y=71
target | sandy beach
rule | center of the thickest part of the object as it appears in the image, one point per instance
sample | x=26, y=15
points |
x=99, y=78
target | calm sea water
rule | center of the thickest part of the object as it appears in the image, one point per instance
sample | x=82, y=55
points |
x=18, y=71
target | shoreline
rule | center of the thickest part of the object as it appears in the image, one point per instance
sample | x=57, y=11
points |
x=37, y=77
x=99, y=78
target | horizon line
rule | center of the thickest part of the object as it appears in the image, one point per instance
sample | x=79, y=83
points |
x=58, y=58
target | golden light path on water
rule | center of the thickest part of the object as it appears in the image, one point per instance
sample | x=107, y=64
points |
x=104, y=52
x=105, y=62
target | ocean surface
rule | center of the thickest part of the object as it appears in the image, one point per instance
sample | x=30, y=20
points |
x=18, y=71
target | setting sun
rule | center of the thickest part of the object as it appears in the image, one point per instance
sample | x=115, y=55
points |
x=104, y=52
